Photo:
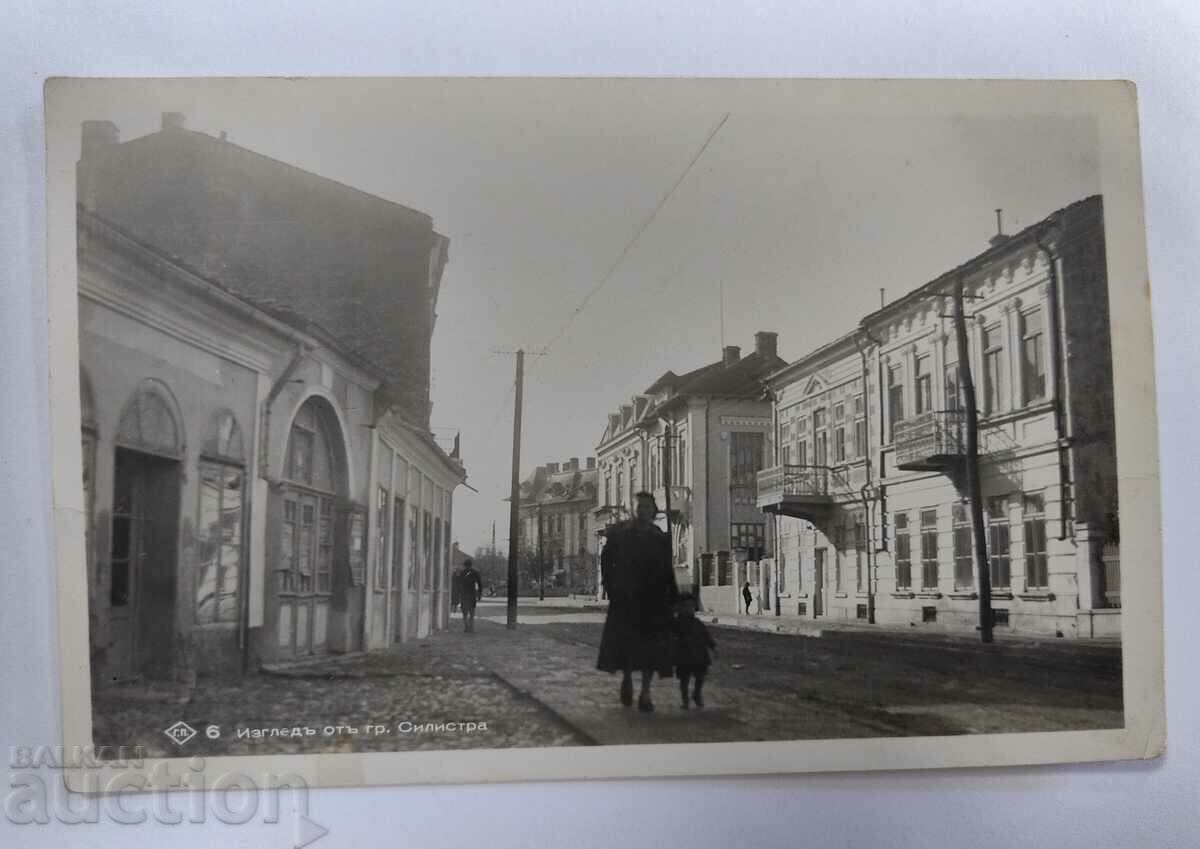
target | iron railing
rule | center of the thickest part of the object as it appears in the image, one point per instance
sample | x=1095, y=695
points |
x=817, y=482
x=933, y=434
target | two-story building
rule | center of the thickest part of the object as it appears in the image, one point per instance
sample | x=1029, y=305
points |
x=557, y=523
x=259, y=476
x=869, y=482
x=697, y=442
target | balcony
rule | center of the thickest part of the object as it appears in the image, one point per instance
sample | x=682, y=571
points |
x=931, y=442
x=805, y=492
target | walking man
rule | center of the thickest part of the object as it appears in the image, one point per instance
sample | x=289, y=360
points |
x=470, y=588
x=639, y=580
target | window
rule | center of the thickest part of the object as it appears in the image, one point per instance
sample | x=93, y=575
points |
x=427, y=539
x=860, y=611
x=1033, y=363
x=786, y=457
x=802, y=453
x=219, y=543
x=414, y=565
x=860, y=553
x=953, y=389
x=998, y=542
x=781, y=573
x=1000, y=617
x=1036, y=571
x=924, y=387
x=964, y=573
x=895, y=399
x=993, y=373
x=839, y=433
x=583, y=531
x=860, y=426
x=397, y=541
x=839, y=547
x=608, y=490
x=903, y=552
x=746, y=451
x=620, y=486
x=929, y=549
x=748, y=535
x=820, y=439
x=928, y=614
x=382, y=513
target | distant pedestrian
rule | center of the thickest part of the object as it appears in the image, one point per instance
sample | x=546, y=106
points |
x=456, y=589
x=637, y=574
x=747, y=596
x=692, y=645
x=469, y=590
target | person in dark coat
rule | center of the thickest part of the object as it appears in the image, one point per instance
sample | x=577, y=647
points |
x=636, y=569
x=747, y=596
x=692, y=645
x=470, y=588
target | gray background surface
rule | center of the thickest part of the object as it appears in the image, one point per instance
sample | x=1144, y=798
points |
x=1084, y=806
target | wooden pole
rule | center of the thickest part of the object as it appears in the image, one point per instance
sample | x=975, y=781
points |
x=973, y=489
x=514, y=500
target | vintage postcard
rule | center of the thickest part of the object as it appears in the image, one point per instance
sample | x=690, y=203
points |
x=429, y=430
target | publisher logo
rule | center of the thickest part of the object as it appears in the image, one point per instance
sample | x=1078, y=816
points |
x=180, y=732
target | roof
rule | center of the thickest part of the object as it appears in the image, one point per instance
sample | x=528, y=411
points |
x=560, y=487
x=364, y=268
x=1026, y=236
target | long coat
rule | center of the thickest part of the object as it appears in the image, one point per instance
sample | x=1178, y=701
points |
x=635, y=566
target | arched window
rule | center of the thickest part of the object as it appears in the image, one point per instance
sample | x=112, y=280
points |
x=309, y=459
x=148, y=423
x=220, y=525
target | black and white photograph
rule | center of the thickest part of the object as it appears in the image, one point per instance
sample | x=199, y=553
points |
x=756, y=425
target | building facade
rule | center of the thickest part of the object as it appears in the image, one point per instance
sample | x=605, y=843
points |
x=868, y=487
x=247, y=457
x=557, y=525
x=700, y=438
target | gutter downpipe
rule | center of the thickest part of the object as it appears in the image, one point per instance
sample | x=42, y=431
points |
x=298, y=354
x=864, y=492
x=1062, y=420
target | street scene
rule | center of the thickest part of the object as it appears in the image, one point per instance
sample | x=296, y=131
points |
x=774, y=679
x=587, y=413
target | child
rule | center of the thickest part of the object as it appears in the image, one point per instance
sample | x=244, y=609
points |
x=692, y=643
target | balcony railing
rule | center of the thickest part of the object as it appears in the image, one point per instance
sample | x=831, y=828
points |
x=932, y=440
x=799, y=483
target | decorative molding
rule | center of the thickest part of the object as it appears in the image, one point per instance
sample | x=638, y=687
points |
x=746, y=421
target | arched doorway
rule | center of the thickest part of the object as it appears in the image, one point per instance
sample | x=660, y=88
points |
x=314, y=481
x=143, y=556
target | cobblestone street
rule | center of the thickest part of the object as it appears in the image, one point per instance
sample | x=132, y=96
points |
x=537, y=686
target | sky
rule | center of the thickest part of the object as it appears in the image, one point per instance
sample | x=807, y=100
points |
x=598, y=224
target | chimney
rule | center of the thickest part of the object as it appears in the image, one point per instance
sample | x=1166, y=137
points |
x=173, y=121
x=731, y=354
x=764, y=344
x=552, y=468
x=97, y=135
x=999, y=238
x=573, y=464
x=591, y=462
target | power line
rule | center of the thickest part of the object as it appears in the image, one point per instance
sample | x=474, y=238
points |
x=633, y=241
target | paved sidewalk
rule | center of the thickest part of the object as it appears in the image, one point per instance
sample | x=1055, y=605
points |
x=537, y=685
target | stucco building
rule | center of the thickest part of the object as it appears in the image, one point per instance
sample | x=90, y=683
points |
x=868, y=482
x=557, y=524
x=260, y=479
x=706, y=432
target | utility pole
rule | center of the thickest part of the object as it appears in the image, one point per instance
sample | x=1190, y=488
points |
x=973, y=489
x=514, y=501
